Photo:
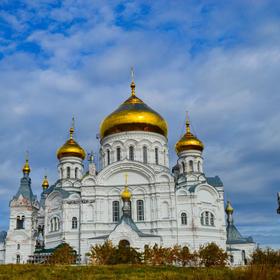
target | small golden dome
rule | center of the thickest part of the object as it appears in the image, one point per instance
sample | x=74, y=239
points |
x=188, y=141
x=126, y=194
x=133, y=115
x=26, y=168
x=229, y=208
x=45, y=183
x=71, y=148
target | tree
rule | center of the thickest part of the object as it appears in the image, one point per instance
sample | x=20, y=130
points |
x=266, y=257
x=63, y=254
x=183, y=256
x=212, y=255
x=102, y=254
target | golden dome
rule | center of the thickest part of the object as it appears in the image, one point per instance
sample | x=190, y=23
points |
x=126, y=194
x=188, y=141
x=71, y=148
x=26, y=168
x=45, y=183
x=133, y=115
x=229, y=208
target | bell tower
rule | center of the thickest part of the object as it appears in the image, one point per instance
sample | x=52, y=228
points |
x=20, y=242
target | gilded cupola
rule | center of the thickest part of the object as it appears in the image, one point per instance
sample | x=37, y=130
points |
x=26, y=168
x=133, y=115
x=126, y=194
x=229, y=209
x=71, y=148
x=45, y=183
x=188, y=141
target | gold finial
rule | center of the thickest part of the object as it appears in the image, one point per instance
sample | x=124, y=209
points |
x=188, y=130
x=91, y=157
x=26, y=168
x=132, y=85
x=71, y=130
x=229, y=208
x=45, y=183
x=126, y=194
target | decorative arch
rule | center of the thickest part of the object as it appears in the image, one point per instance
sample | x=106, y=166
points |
x=88, y=181
x=115, y=173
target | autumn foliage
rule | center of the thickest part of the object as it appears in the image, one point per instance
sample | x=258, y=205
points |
x=63, y=254
x=267, y=257
x=107, y=253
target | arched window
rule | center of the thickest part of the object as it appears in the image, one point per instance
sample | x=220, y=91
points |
x=207, y=219
x=68, y=172
x=61, y=173
x=145, y=154
x=156, y=155
x=74, y=223
x=55, y=225
x=18, y=259
x=118, y=153
x=183, y=167
x=131, y=153
x=76, y=172
x=183, y=218
x=140, y=210
x=198, y=167
x=18, y=246
x=164, y=157
x=108, y=157
x=116, y=211
x=20, y=222
x=191, y=165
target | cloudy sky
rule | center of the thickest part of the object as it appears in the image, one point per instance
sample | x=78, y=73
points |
x=219, y=60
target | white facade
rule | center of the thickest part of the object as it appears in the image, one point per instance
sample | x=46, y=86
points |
x=84, y=207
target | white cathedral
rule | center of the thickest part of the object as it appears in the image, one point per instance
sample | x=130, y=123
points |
x=135, y=196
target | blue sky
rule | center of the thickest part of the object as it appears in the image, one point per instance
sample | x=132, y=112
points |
x=220, y=60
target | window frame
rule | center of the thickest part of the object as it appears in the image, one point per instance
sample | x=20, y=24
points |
x=131, y=153
x=140, y=210
x=184, y=219
x=74, y=222
x=115, y=211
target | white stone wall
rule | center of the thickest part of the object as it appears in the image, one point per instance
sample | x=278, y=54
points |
x=241, y=253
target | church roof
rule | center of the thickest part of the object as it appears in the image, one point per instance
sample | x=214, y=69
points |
x=25, y=189
x=128, y=220
x=235, y=237
x=214, y=181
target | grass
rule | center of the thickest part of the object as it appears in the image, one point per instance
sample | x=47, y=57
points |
x=134, y=272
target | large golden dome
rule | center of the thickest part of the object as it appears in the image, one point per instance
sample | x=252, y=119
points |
x=133, y=115
x=71, y=148
x=188, y=141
